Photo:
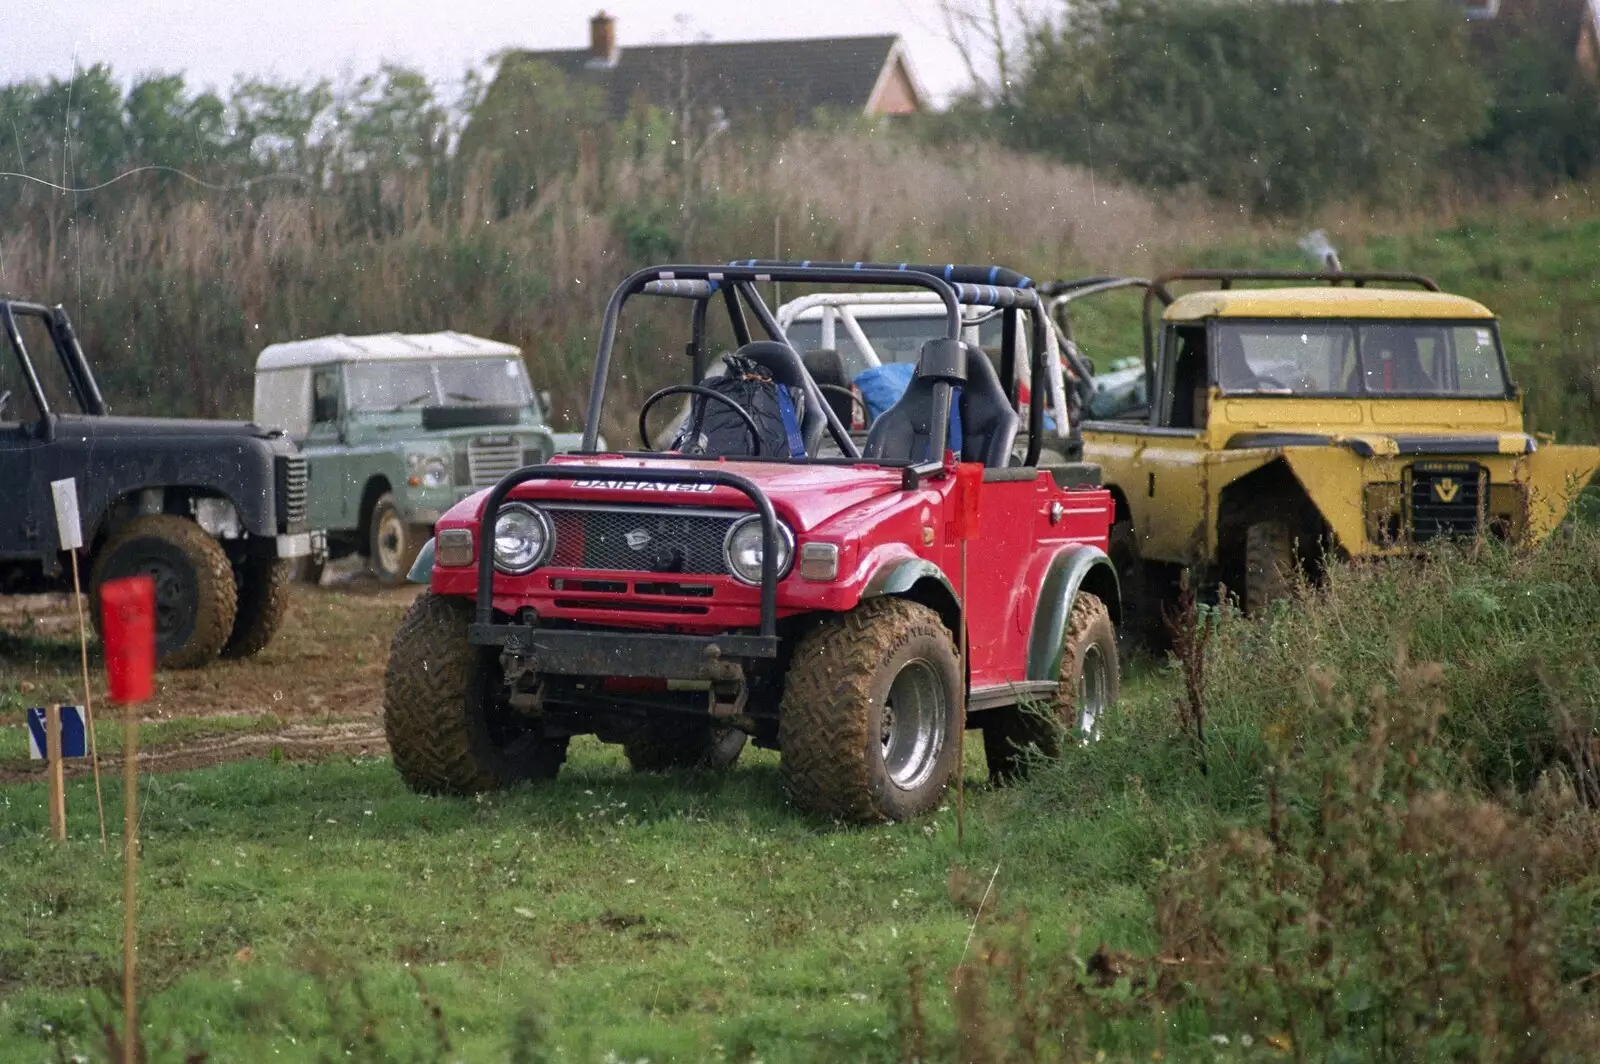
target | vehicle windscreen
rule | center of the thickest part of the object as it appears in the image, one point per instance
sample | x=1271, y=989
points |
x=893, y=339
x=390, y=387
x=1358, y=358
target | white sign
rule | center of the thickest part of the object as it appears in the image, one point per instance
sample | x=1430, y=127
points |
x=67, y=524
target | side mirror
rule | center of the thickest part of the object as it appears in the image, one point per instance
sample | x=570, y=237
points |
x=544, y=403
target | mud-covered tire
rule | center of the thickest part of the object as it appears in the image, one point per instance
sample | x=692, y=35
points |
x=261, y=586
x=660, y=746
x=846, y=752
x=195, y=598
x=1087, y=685
x=448, y=731
x=1269, y=565
x=392, y=544
x=1142, y=624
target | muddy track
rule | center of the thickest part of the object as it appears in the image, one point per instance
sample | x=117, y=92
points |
x=299, y=742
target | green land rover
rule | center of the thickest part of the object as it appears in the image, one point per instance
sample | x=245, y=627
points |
x=396, y=429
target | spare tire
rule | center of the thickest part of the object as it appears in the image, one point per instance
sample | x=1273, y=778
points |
x=465, y=416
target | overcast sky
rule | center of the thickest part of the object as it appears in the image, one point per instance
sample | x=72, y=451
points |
x=215, y=41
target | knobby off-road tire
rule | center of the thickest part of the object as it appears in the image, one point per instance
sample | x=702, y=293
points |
x=661, y=745
x=448, y=730
x=392, y=544
x=262, y=587
x=870, y=720
x=1142, y=624
x=195, y=598
x=1269, y=565
x=1086, y=688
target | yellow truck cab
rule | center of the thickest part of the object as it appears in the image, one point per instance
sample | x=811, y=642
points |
x=1359, y=413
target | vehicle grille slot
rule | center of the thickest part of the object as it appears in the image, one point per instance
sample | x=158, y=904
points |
x=491, y=458
x=289, y=483
x=655, y=539
x=1445, y=499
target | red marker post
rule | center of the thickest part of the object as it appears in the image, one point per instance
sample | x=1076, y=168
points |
x=128, y=629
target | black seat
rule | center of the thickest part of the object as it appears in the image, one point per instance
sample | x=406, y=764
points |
x=988, y=423
x=787, y=369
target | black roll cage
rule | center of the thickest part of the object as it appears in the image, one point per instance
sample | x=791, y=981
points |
x=990, y=286
x=67, y=349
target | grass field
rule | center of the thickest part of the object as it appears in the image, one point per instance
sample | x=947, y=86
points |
x=296, y=911
x=299, y=904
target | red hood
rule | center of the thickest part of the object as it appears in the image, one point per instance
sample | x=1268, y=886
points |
x=803, y=495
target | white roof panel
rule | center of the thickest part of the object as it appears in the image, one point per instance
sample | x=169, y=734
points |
x=380, y=347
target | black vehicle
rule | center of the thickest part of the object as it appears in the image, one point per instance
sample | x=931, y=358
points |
x=213, y=511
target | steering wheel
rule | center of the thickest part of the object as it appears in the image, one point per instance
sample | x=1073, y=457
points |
x=855, y=400
x=695, y=389
x=1271, y=384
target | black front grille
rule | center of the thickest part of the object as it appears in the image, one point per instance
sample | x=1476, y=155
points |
x=289, y=475
x=653, y=539
x=1446, y=499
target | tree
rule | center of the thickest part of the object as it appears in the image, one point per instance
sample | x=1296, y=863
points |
x=1276, y=105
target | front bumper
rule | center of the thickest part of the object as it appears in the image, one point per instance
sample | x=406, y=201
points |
x=301, y=544
x=645, y=655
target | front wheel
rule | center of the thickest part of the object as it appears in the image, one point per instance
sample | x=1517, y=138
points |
x=262, y=587
x=1086, y=687
x=195, y=598
x=393, y=544
x=1269, y=565
x=872, y=713
x=449, y=727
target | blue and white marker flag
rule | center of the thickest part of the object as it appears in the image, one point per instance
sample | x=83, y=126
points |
x=74, y=742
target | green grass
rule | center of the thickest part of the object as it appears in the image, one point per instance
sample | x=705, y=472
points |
x=673, y=917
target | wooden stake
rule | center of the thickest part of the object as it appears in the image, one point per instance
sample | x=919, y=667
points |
x=130, y=847
x=88, y=702
x=58, y=786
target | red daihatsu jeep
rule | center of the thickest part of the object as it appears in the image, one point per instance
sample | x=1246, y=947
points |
x=679, y=603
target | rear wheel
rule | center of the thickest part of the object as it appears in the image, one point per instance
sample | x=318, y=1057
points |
x=1086, y=688
x=393, y=545
x=450, y=730
x=1142, y=625
x=871, y=713
x=660, y=745
x=1269, y=564
x=262, y=588
x=195, y=599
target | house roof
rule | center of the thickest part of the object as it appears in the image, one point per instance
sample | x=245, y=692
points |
x=1324, y=302
x=379, y=347
x=798, y=76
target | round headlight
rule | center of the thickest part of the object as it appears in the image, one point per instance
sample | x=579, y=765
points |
x=435, y=473
x=522, y=538
x=742, y=550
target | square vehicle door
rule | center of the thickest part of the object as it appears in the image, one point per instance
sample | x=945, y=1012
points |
x=328, y=503
x=27, y=461
x=1000, y=598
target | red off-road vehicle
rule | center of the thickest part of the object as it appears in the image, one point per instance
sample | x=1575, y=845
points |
x=679, y=603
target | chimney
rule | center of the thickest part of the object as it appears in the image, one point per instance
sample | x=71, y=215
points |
x=602, y=39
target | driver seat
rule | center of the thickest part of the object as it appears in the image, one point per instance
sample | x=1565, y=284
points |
x=787, y=369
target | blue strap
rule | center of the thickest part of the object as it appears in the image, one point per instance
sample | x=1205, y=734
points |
x=791, y=423
x=954, y=441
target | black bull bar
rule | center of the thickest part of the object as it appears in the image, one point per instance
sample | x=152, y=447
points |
x=591, y=652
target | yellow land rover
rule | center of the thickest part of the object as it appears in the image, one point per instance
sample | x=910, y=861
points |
x=1296, y=414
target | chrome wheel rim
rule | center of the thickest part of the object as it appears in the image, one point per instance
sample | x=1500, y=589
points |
x=391, y=542
x=1094, y=685
x=913, y=728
